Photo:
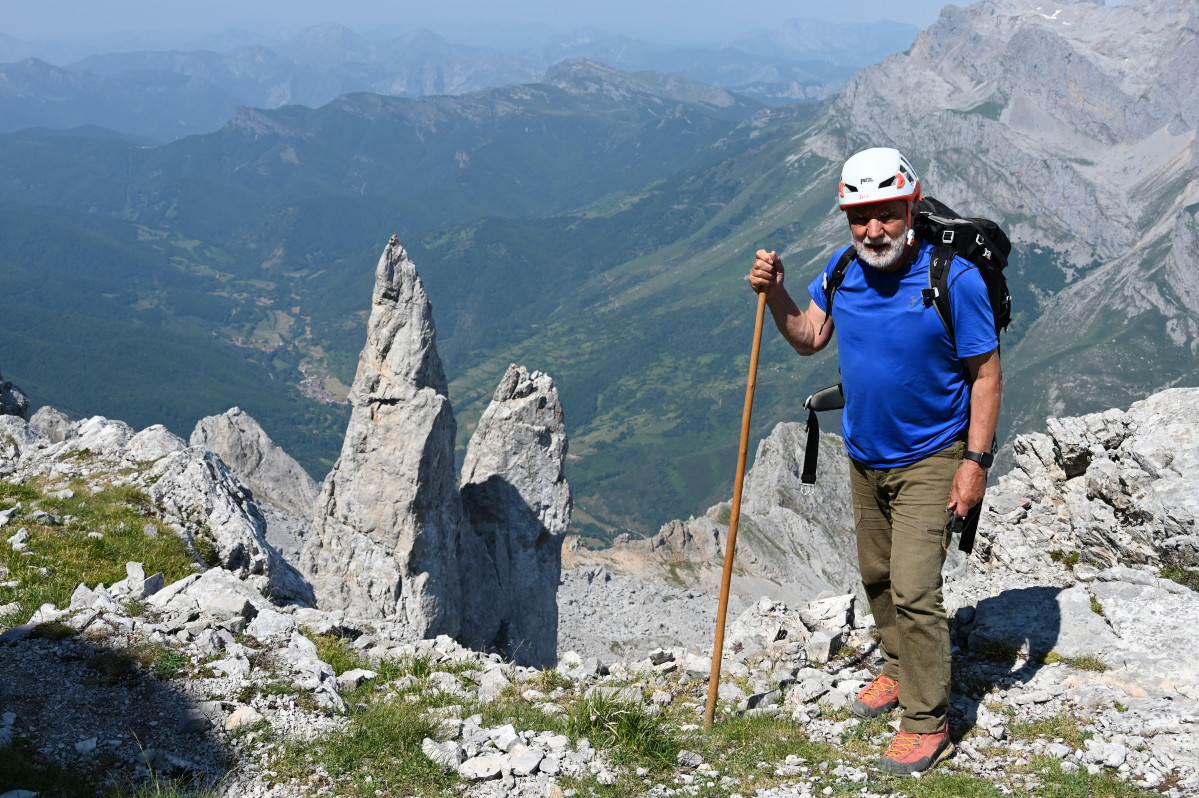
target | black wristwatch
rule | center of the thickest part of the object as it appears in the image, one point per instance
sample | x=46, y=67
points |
x=984, y=459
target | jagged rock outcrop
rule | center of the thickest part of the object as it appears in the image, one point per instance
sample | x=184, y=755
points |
x=53, y=423
x=198, y=492
x=266, y=469
x=1111, y=488
x=189, y=487
x=518, y=504
x=392, y=535
x=388, y=521
x=17, y=439
x=13, y=401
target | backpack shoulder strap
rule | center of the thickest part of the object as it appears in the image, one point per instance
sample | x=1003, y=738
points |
x=937, y=293
x=833, y=280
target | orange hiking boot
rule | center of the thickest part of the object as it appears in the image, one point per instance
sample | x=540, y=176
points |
x=914, y=753
x=877, y=698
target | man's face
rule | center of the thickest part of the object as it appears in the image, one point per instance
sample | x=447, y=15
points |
x=879, y=232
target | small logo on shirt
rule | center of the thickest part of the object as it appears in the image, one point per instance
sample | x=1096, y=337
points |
x=913, y=301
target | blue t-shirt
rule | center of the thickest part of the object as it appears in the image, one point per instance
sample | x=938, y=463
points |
x=907, y=391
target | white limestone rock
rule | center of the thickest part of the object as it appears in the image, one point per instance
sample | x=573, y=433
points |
x=266, y=469
x=18, y=439
x=392, y=535
x=195, y=490
x=152, y=443
x=1115, y=487
x=518, y=504
x=388, y=522
x=53, y=423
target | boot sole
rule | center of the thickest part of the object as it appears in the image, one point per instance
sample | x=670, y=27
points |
x=908, y=769
x=864, y=710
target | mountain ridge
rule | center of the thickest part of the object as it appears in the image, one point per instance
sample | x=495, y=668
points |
x=119, y=90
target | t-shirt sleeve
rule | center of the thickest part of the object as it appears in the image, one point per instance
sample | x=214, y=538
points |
x=973, y=319
x=816, y=287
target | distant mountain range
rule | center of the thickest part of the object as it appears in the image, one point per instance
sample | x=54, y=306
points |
x=164, y=95
x=597, y=226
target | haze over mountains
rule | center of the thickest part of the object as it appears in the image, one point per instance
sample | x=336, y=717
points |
x=595, y=225
x=162, y=95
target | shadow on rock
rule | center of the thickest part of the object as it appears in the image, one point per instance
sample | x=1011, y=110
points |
x=527, y=559
x=1002, y=642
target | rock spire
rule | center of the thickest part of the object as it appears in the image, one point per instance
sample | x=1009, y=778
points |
x=393, y=537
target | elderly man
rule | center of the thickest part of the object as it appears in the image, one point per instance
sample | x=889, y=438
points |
x=921, y=408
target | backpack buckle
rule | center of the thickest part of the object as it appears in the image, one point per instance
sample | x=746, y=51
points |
x=930, y=295
x=946, y=236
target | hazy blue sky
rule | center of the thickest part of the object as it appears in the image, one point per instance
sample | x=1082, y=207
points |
x=689, y=19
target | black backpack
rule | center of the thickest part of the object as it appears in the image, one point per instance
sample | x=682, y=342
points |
x=983, y=243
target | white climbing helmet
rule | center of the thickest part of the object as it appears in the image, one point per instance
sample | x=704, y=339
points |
x=877, y=175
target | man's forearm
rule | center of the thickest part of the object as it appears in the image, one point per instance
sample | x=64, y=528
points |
x=986, y=396
x=792, y=322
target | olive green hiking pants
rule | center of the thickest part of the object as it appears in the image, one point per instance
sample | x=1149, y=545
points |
x=902, y=540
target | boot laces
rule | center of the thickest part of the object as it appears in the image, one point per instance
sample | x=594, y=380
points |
x=902, y=744
x=878, y=687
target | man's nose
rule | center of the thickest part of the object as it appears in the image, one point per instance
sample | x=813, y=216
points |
x=875, y=229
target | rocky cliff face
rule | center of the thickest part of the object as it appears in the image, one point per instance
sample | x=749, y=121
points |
x=189, y=487
x=794, y=542
x=392, y=537
x=285, y=492
x=1106, y=489
x=13, y=401
x=266, y=469
x=388, y=522
x=518, y=505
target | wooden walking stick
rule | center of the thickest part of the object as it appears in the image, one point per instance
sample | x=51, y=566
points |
x=730, y=544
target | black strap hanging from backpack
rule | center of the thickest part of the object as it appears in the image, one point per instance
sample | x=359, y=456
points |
x=830, y=398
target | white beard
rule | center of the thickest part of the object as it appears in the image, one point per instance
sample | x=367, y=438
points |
x=881, y=260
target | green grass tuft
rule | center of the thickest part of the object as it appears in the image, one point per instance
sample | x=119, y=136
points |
x=637, y=736
x=997, y=650
x=382, y=741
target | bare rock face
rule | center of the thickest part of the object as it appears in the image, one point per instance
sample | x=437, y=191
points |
x=195, y=490
x=518, y=504
x=266, y=469
x=13, y=401
x=794, y=541
x=151, y=444
x=1111, y=488
x=395, y=539
x=388, y=521
x=53, y=423
x=17, y=440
